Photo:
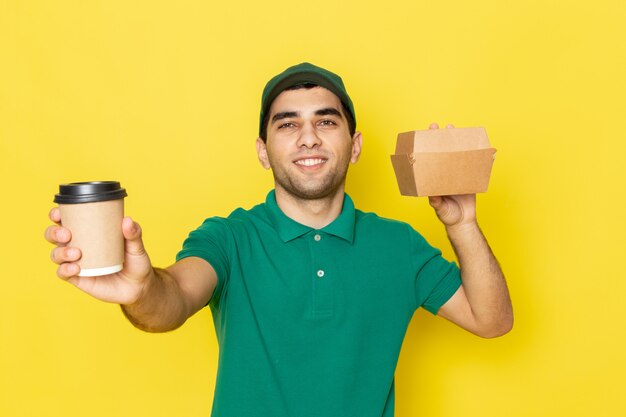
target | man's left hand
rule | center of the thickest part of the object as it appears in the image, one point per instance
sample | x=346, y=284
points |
x=454, y=210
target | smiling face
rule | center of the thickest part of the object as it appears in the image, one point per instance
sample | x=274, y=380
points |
x=308, y=143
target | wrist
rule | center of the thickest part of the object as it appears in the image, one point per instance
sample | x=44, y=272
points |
x=462, y=228
x=144, y=288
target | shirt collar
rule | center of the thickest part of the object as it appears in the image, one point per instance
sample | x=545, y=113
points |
x=289, y=229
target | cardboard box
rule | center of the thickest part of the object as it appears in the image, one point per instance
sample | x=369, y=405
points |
x=443, y=161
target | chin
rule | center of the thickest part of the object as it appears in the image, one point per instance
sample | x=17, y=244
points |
x=311, y=194
x=310, y=191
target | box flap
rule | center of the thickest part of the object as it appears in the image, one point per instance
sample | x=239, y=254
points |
x=403, y=167
x=442, y=140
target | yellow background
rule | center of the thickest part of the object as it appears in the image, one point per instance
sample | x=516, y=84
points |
x=164, y=97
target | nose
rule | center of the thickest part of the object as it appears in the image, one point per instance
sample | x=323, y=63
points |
x=308, y=137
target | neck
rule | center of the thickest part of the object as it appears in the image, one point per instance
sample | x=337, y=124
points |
x=315, y=213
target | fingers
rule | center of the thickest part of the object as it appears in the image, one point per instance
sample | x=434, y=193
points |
x=67, y=271
x=435, y=202
x=436, y=126
x=57, y=235
x=65, y=258
x=55, y=215
x=132, y=234
x=63, y=254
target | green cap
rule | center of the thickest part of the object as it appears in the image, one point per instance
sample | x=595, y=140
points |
x=303, y=73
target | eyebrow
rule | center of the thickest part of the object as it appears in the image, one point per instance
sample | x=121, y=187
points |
x=284, y=115
x=329, y=111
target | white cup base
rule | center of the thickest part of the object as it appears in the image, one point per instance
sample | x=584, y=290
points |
x=96, y=272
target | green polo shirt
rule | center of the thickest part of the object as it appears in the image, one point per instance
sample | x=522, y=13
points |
x=310, y=322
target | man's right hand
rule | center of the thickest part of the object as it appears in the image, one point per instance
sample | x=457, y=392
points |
x=124, y=287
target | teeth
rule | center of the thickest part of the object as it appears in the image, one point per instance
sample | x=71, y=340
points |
x=310, y=162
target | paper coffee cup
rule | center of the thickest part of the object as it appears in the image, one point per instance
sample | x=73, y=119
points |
x=93, y=212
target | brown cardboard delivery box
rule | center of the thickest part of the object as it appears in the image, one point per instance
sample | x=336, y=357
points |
x=443, y=161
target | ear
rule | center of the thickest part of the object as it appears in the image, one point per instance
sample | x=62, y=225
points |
x=357, y=142
x=261, y=151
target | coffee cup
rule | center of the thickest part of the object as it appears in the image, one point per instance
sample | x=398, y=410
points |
x=93, y=212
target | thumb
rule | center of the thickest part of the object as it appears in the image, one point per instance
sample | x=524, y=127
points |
x=132, y=234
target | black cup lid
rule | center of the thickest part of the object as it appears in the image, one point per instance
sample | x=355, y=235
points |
x=89, y=192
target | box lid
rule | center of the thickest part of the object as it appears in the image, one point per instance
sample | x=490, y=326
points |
x=442, y=140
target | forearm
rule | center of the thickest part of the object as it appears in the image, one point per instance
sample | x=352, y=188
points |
x=483, y=280
x=161, y=306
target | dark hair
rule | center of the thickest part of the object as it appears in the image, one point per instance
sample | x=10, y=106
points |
x=308, y=86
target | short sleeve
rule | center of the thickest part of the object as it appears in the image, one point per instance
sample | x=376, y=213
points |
x=436, y=279
x=211, y=242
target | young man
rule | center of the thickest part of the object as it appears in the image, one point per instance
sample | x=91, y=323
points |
x=310, y=297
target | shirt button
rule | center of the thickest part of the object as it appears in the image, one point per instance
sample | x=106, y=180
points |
x=320, y=273
x=317, y=238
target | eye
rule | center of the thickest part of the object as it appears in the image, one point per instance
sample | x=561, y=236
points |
x=286, y=125
x=327, y=122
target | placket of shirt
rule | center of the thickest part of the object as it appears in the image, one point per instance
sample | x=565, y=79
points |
x=322, y=277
